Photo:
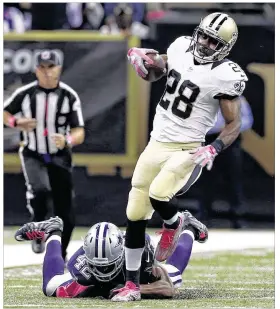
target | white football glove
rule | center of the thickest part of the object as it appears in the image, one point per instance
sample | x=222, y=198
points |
x=137, y=57
x=204, y=156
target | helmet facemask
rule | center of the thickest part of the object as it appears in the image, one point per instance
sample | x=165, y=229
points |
x=105, y=271
x=213, y=39
x=203, y=53
x=104, y=251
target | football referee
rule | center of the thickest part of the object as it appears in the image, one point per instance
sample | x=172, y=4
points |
x=48, y=113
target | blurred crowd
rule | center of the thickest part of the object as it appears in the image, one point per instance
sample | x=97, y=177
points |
x=107, y=18
x=114, y=18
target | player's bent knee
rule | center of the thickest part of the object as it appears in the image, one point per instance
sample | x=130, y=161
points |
x=162, y=187
x=135, y=214
x=157, y=193
x=50, y=288
x=136, y=206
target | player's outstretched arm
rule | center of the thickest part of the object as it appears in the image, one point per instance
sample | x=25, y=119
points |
x=162, y=288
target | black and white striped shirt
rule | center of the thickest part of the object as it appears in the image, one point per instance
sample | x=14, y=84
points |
x=56, y=111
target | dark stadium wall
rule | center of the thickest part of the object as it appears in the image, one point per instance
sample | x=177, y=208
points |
x=100, y=198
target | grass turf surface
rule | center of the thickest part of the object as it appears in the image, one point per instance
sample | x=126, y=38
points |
x=212, y=280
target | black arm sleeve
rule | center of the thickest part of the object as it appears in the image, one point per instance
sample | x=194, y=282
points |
x=225, y=96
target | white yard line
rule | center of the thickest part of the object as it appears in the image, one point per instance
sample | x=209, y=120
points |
x=212, y=281
x=237, y=268
x=22, y=255
x=228, y=289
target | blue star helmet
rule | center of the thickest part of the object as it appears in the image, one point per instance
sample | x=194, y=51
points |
x=104, y=251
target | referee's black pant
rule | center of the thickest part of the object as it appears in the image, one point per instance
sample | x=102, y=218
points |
x=48, y=179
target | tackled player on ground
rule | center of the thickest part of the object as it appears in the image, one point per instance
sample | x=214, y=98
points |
x=98, y=267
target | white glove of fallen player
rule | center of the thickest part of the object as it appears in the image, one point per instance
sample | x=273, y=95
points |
x=204, y=156
x=137, y=57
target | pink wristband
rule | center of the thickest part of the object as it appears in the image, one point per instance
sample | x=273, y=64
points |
x=69, y=140
x=12, y=121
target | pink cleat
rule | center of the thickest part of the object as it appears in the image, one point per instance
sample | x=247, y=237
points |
x=130, y=292
x=168, y=241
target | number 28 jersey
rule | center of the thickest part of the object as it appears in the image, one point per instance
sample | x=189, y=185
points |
x=188, y=107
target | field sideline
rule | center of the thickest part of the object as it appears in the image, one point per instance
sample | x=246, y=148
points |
x=234, y=269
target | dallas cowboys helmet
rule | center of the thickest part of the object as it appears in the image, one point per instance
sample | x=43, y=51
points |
x=104, y=251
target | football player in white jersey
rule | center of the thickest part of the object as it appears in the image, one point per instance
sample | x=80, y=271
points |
x=199, y=80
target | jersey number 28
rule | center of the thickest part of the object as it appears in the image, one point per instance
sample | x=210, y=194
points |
x=174, y=78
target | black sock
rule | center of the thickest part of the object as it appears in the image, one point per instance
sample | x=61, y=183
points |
x=166, y=210
x=58, y=233
x=174, y=225
x=133, y=276
x=135, y=234
x=135, y=240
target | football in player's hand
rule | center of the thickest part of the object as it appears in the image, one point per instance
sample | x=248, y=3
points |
x=155, y=70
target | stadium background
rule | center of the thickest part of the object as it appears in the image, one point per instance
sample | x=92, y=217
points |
x=119, y=107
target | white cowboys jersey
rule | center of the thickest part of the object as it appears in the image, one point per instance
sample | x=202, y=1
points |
x=189, y=105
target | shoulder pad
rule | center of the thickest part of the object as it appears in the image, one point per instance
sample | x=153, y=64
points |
x=25, y=88
x=182, y=40
x=227, y=70
x=180, y=44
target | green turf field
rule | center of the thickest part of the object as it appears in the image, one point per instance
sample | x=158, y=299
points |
x=213, y=280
